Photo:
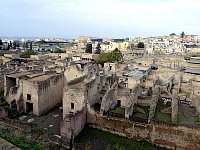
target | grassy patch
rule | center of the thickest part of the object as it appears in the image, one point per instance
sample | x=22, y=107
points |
x=119, y=110
x=198, y=120
x=142, y=115
x=95, y=139
x=22, y=140
x=160, y=116
x=186, y=93
x=145, y=108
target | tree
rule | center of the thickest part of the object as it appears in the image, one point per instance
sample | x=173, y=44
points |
x=1, y=44
x=114, y=56
x=182, y=34
x=140, y=45
x=14, y=44
x=28, y=53
x=88, y=48
x=31, y=45
x=98, y=49
x=172, y=34
x=103, y=58
x=58, y=50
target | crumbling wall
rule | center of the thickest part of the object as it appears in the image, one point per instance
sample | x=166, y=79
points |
x=154, y=101
x=196, y=99
x=73, y=94
x=92, y=88
x=174, y=106
x=72, y=124
x=91, y=71
x=132, y=99
x=1, y=83
x=74, y=110
x=73, y=72
x=110, y=66
x=15, y=94
x=175, y=91
x=8, y=83
x=110, y=99
x=121, y=95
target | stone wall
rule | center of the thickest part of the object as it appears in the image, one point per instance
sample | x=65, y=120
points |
x=132, y=99
x=1, y=83
x=73, y=72
x=72, y=125
x=50, y=93
x=169, y=135
x=92, y=88
x=30, y=88
x=110, y=99
x=174, y=106
x=154, y=100
x=42, y=95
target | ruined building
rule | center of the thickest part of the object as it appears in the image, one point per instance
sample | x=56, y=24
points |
x=96, y=93
x=33, y=92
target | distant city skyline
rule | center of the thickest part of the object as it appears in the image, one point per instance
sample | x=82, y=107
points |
x=99, y=18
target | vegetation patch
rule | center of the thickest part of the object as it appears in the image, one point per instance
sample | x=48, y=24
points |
x=22, y=140
x=95, y=139
x=28, y=53
x=161, y=116
x=114, y=56
x=119, y=110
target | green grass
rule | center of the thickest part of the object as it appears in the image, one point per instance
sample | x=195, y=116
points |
x=145, y=108
x=22, y=140
x=198, y=120
x=142, y=115
x=91, y=138
x=186, y=93
x=119, y=110
x=160, y=116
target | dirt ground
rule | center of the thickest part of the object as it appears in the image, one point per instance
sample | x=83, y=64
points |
x=50, y=121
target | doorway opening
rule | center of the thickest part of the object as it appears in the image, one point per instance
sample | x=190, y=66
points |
x=118, y=103
x=29, y=107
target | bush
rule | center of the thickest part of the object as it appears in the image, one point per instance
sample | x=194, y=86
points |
x=28, y=53
x=114, y=56
x=22, y=141
x=140, y=45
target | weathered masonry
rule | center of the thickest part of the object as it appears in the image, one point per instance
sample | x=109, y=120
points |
x=33, y=92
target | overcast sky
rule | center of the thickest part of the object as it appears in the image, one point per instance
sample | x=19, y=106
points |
x=98, y=18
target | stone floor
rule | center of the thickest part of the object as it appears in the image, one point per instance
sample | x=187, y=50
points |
x=5, y=145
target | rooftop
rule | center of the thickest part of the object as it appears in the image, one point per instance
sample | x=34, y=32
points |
x=40, y=78
x=19, y=74
x=134, y=73
x=192, y=71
